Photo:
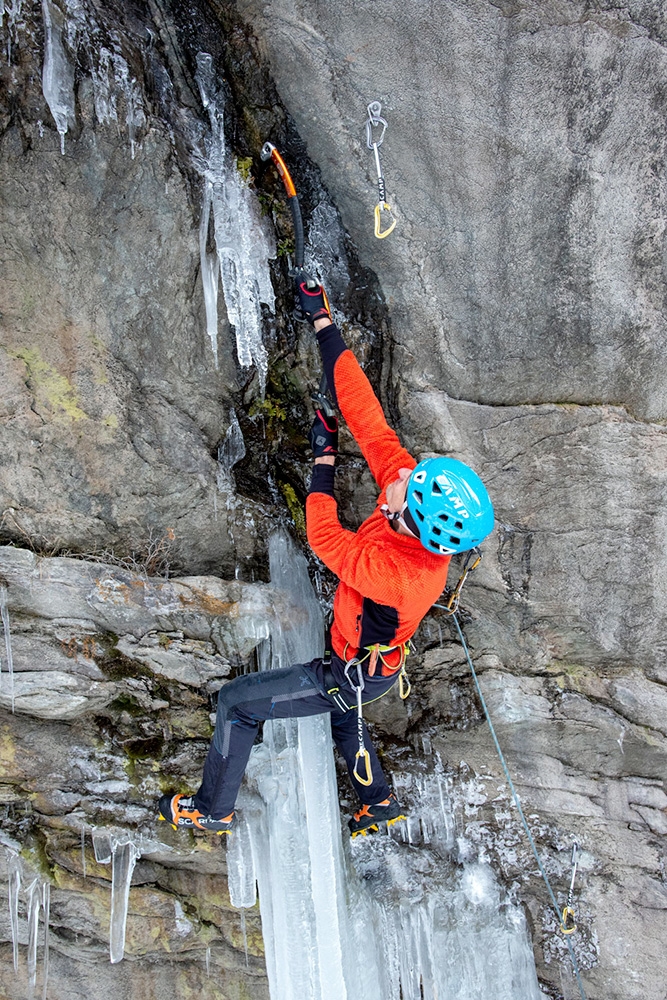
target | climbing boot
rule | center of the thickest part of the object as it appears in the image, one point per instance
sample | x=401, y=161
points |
x=181, y=812
x=367, y=819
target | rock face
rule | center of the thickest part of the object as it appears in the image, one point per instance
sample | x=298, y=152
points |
x=515, y=319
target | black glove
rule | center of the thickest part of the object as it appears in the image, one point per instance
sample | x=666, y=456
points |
x=313, y=300
x=323, y=435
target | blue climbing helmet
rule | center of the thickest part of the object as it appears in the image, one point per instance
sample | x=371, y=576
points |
x=449, y=505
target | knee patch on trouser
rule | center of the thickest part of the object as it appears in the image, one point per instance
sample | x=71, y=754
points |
x=261, y=695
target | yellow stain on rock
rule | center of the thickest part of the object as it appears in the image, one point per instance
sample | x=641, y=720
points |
x=49, y=386
x=7, y=754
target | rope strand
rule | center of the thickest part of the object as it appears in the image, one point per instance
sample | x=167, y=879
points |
x=517, y=803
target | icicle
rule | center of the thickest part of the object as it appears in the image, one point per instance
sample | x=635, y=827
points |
x=240, y=868
x=210, y=272
x=46, y=907
x=4, y=613
x=14, y=873
x=231, y=451
x=123, y=860
x=102, y=846
x=83, y=851
x=33, y=892
x=57, y=73
x=122, y=850
x=208, y=961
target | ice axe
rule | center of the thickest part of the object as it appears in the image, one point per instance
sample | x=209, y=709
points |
x=269, y=152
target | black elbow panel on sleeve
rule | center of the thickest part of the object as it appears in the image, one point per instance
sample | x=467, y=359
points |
x=332, y=346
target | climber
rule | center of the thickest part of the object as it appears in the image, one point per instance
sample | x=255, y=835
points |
x=391, y=571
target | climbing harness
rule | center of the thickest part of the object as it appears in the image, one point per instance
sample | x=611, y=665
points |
x=471, y=562
x=568, y=924
x=517, y=803
x=375, y=121
x=362, y=755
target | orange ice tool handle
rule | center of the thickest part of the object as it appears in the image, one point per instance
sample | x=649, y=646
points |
x=269, y=152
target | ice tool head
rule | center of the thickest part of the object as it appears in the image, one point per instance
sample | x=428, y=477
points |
x=449, y=505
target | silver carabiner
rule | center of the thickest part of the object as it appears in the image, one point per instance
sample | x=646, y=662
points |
x=375, y=120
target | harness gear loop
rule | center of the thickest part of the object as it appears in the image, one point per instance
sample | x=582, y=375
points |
x=375, y=120
x=362, y=755
x=568, y=924
x=471, y=562
x=376, y=653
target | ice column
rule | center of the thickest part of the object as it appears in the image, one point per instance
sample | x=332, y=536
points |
x=46, y=907
x=57, y=72
x=4, y=613
x=34, y=893
x=289, y=818
x=122, y=850
x=14, y=872
x=242, y=242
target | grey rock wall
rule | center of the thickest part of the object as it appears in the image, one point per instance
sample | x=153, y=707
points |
x=514, y=319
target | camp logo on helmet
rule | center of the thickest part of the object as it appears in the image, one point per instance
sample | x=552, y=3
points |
x=448, y=490
x=444, y=486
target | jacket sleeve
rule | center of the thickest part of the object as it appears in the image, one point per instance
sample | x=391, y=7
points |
x=361, y=409
x=374, y=574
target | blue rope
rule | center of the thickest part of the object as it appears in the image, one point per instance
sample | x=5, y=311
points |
x=517, y=803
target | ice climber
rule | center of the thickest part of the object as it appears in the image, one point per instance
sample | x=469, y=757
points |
x=391, y=571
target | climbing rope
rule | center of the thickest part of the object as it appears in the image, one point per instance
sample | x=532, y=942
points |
x=375, y=121
x=561, y=917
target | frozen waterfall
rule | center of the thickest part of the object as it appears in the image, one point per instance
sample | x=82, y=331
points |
x=242, y=242
x=376, y=917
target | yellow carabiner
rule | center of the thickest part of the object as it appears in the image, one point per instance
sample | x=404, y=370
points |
x=382, y=206
x=366, y=757
x=567, y=924
x=404, y=685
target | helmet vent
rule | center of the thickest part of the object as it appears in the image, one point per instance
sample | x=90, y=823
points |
x=454, y=540
x=419, y=515
x=419, y=497
x=436, y=531
x=444, y=517
x=457, y=524
x=435, y=489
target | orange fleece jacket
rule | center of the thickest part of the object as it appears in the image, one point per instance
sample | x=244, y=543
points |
x=388, y=581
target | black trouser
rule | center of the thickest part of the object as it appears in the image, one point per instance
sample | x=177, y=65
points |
x=285, y=694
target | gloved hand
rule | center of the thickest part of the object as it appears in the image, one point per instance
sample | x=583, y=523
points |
x=323, y=435
x=313, y=300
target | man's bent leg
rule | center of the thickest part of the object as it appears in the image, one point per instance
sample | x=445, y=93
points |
x=242, y=704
